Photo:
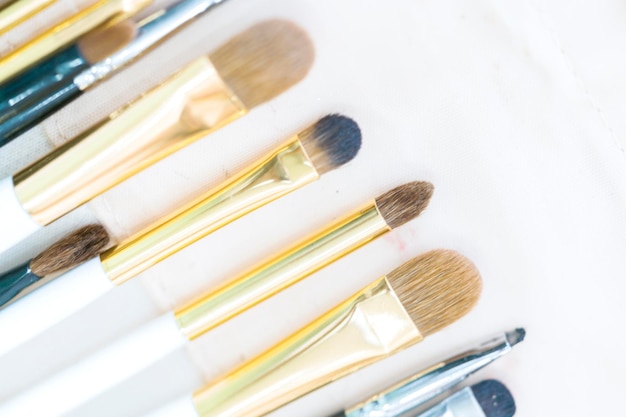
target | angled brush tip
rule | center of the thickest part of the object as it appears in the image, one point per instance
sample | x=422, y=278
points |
x=265, y=60
x=98, y=45
x=516, y=336
x=494, y=398
x=77, y=247
x=404, y=203
x=331, y=141
x=436, y=288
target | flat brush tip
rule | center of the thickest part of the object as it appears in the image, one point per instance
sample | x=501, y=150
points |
x=516, y=336
x=331, y=141
x=405, y=202
x=494, y=398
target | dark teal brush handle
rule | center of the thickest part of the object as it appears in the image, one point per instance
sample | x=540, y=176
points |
x=15, y=281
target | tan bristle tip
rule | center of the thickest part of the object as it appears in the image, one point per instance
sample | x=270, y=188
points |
x=404, y=203
x=265, y=60
x=436, y=288
x=99, y=45
x=78, y=247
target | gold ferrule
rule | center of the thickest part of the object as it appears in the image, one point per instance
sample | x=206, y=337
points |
x=18, y=11
x=101, y=14
x=285, y=170
x=271, y=277
x=369, y=326
x=186, y=107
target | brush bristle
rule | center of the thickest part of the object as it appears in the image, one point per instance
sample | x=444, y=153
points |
x=436, y=288
x=96, y=46
x=404, y=203
x=494, y=398
x=516, y=336
x=265, y=60
x=331, y=142
x=83, y=244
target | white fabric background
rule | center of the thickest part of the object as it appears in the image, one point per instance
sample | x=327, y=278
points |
x=514, y=110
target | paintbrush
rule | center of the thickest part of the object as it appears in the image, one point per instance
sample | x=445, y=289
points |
x=394, y=312
x=322, y=147
x=208, y=93
x=127, y=356
x=99, y=15
x=415, y=391
x=72, y=250
x=15, y=12
x=43, y=89
x=488, y=398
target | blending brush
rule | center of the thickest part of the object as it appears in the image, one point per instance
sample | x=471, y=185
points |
x=396, y=311
x=43, y=89
x=488, y=398
x=72, y=250
x=327, y=144
x=415, y=391
x=250, y=69
x=18, y=11
x=127, y=356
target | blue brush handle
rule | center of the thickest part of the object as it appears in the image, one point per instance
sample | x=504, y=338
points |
x=15, y=281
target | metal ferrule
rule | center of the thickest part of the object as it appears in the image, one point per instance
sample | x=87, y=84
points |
x=151, y=31
x=460, y=404
x=101, y=14
x=367, y=327
x=18, y=11
x=186, y=107
x=271, y=277
x=285, y=170
x=418, y=389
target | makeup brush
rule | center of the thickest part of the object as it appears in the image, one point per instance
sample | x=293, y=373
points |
x=72, y=250
x=127, y=356
x=99, y=15
x=45, y=88
x=488, y=398
x=15, y=12
x=396, y=311
x=415, y=391
x=208, y=93
x=327, y=144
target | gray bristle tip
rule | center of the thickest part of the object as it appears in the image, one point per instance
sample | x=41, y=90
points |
x=339, y=136
x=494, y=398
x=516, y=336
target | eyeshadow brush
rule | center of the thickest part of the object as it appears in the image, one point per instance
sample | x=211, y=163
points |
x=207, y=94
x=72, y=250
x=17, y=11
x=129, y=355
x=320, y=148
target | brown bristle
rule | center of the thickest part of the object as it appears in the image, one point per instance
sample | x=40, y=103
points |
x=83, y=244
x=436, y=288
x=98, y=45
x=404, y=203
x=265, y=60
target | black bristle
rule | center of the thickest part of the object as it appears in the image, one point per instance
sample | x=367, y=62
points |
x=494, y=398
x=339, y=137
x=516, y=336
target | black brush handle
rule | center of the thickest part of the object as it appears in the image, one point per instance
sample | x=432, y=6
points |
x=15, y=281
x=339, y=414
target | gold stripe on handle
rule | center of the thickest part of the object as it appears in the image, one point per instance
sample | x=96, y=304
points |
x=369, y=326
x=100, y=14
x=186, y=107
x=272, y=277
x=283, y=171
x=18, y=11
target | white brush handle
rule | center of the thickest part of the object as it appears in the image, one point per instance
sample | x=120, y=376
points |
x=97, y=373
x=183, y=407
x=15, y=223
x=50, y=304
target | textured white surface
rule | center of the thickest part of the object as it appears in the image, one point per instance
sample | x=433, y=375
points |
x=183, y=407
x=15, y=223
x=514, y=110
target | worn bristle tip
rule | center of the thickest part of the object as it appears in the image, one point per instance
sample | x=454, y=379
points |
x=83, y=244
x=404, y=203
x=265, y=60
x=331, y=141
x=516, y=336
x=494, y=398
x=436, y=288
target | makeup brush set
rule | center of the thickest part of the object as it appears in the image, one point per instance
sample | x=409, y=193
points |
x=394, y=311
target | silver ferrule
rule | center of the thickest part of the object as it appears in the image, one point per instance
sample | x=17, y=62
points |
x=460, y=404
x=418, y=389
x=150, y=32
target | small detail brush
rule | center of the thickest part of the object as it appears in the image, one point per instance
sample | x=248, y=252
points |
x=488, y=398
x=326, y=145
x=129, y=355
x=415, y=391
x=18, y=11
x=43, y=89
x=210, y=92
x=72, y=250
